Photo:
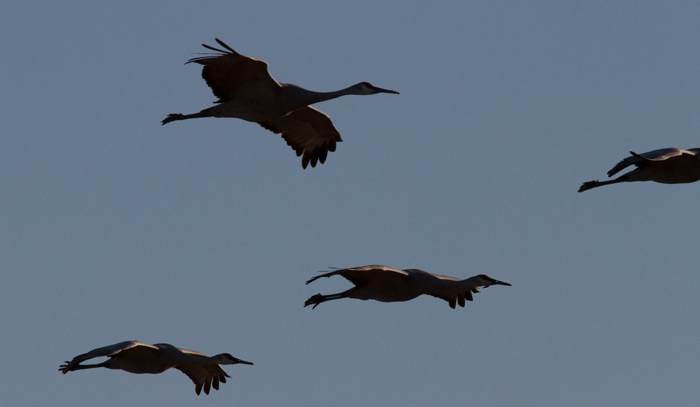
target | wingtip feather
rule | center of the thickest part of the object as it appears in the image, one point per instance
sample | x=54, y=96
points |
x=223, y=44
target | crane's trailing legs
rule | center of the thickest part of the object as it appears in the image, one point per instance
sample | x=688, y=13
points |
x=71, y=367
x=319, y=298
x=595, y=184
x=179, y=116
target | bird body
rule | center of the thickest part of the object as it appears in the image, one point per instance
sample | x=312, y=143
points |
x=666, y=166
x=247, y=91
x=387, y=284
x=138, y=357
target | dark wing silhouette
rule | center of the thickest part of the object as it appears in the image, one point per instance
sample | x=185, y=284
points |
x=308, y=131
x=206, y=375
x=641, y=159
x=454, y=296
x=361, y=276
x=231, y=75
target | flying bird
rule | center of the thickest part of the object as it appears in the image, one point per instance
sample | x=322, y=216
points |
x=247, y=91
x=667, y=166
x=139, y=357
x=387, y=284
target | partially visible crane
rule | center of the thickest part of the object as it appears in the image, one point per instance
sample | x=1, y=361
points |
x=139, y=357
x=667, y=166
x=387, y=284
x=247, y=91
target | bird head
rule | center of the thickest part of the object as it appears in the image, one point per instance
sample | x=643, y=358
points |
x=366, y=88
x=487, y=281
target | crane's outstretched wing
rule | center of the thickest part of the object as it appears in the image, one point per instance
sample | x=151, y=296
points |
x=308, y=131
x=361, y=276
x=462, y=291
x=640, y=159
x=231, y=75
x=204, y=376
x=108, y=351
x=456, y=295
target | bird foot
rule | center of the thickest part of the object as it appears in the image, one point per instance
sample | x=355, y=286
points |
x=172, y=117
x=588, y=185
x=315, y=300
x=65, y=368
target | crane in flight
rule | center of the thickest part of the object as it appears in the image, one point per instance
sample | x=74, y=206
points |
x=387, y=284
x=139, y=357
x=247, y=91
x=666, y=166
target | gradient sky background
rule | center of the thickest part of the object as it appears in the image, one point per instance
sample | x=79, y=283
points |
x=202, y=233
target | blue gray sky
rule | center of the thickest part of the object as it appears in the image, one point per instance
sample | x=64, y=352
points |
x=202, y=233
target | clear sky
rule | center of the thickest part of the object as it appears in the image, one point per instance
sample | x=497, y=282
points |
x=202, y=233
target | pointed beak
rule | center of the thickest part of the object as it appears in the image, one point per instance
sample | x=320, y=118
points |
x=243, y=362
x=496, y=282
x=380, y=90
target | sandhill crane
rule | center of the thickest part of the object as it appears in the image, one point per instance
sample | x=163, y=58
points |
x=247, y=91
x=139, y=357
x=667, y=166
x=387, y=284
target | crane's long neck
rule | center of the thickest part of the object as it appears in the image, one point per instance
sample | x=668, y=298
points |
x=431, y=283
x=428, y=282
x=309, y=97
x=467, y=283
x=182, y=359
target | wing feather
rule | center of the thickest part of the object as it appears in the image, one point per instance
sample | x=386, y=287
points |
x=455, y=296
x=203, y=376
x=641, y=159
x=308, y=131
x=231, y=75
x=361, y=276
